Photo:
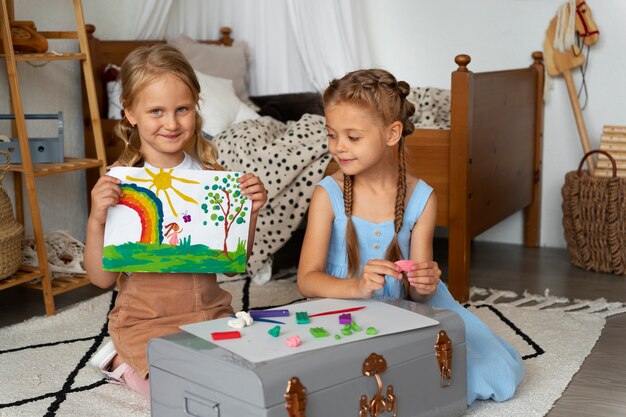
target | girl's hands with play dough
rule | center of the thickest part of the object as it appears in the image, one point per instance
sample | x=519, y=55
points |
x=373, y=276
x=424, y=277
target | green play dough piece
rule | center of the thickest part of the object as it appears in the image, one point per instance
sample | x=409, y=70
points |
x=274, y=331
x=318, y=332
x=302, y=317
x=337, y=337
x=371, y=331
x=346, y=332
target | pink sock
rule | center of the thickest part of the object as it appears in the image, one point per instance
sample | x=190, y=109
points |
x=136, y=383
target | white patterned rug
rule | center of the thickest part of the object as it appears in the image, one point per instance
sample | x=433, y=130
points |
x=44, y=371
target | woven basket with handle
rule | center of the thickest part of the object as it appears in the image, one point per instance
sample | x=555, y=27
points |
x=11, y=232
x=594, y=219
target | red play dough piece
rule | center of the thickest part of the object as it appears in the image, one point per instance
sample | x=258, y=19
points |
x=225, y=335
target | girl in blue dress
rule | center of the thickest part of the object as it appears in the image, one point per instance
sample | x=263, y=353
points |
x=372, y=213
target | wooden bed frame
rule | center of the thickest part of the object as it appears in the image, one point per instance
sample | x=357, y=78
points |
x=494, y=155
x=483, y=169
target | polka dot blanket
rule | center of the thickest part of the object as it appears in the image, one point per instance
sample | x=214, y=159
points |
x=290, y=159
x=432, y=107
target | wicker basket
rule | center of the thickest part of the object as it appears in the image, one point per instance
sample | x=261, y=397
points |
x=11, y=232
x=594, y=219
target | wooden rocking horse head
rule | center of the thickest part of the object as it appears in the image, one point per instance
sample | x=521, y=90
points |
x=561, y=51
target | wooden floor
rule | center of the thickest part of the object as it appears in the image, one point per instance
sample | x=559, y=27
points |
x=598, y=389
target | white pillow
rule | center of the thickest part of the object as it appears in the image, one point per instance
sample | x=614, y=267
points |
x=245, y=112
x=219, y=105
x=230, y=62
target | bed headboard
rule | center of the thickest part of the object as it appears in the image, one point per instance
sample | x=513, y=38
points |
x=104, y=52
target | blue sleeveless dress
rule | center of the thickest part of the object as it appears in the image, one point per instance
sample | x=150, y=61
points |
x=494, y=368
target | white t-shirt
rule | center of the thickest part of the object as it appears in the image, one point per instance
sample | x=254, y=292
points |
x=187, y=163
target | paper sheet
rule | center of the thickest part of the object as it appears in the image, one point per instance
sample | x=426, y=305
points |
x=256, y=345
x=177, y=220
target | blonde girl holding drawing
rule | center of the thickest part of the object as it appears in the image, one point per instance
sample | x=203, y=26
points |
x=372, y=213
x=161, y=128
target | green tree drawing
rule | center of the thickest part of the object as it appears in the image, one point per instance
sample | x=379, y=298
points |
x=225, y=203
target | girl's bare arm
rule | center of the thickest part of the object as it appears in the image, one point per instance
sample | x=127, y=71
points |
x=425, y=276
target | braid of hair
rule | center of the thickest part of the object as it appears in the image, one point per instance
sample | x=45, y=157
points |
x=407, y=109
x=352, y=243
x=130, y=156
x=394, y=253
x=401, y=194
x=393, y=250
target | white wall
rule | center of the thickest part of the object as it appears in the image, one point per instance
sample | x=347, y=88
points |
x=415, y=39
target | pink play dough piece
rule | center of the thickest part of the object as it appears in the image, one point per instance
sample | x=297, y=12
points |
x=405, y=264
x=293, y=341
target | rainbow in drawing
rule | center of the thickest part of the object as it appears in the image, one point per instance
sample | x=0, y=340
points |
x=149, y=208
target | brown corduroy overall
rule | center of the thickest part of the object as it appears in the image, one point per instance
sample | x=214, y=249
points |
x=151, y=305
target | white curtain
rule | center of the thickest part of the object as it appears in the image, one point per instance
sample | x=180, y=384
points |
x=295, y=45
x=329, y=35
x=153, y=19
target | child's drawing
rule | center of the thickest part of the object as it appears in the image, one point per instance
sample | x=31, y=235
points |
x=200, y=225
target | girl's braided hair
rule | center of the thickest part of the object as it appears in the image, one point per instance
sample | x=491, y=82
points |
x=379, y=91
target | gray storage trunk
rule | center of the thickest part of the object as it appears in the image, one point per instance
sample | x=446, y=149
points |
x=190, y=376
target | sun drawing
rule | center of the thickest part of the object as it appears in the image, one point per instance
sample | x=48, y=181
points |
x=162, y=181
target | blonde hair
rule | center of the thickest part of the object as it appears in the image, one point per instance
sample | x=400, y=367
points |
x=385, y=97
x=140, y=68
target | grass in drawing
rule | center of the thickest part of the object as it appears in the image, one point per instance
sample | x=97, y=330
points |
x=225, y=205
x=141, y=257
x=162, y=181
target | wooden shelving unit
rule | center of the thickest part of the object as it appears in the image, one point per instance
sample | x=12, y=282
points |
x=26, y=172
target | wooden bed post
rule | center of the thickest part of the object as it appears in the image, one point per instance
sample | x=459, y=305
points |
x=532, y=213
x=460, y=161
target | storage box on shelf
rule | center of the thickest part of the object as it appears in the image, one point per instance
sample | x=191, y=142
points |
x=42, y=150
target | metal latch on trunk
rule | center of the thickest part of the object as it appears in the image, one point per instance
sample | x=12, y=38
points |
x=295, y=398
x=443, y=352
x=375, y=365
